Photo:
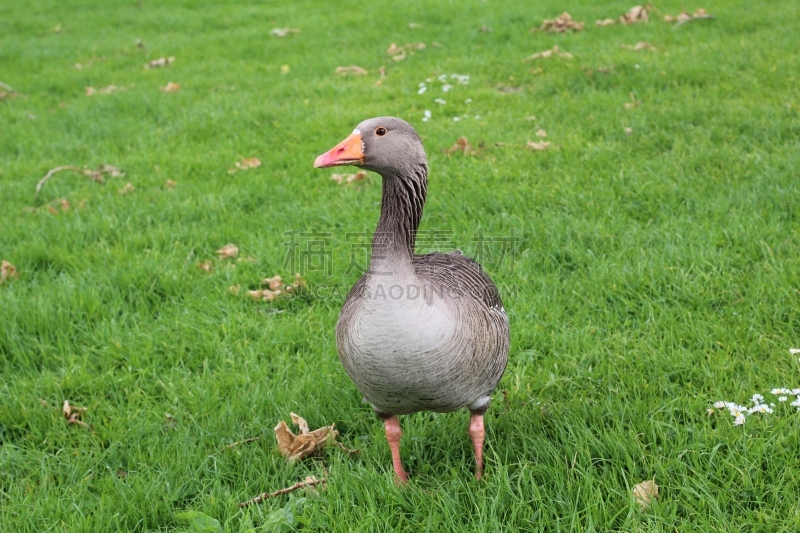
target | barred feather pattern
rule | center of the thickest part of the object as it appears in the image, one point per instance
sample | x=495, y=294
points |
x=421, y=332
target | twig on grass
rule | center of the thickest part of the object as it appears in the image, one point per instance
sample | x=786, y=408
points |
x=310, y=481
x=95, y=174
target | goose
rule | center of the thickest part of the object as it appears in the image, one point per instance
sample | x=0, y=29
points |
x=416, y=332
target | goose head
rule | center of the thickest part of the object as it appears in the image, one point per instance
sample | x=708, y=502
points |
x=386, y=145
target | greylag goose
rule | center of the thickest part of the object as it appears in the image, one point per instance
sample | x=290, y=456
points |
x=416, y=332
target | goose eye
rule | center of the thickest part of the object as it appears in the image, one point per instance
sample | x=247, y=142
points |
x=381, y=131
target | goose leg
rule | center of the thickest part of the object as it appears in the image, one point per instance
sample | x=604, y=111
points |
x=393, y=434
x=476, y=433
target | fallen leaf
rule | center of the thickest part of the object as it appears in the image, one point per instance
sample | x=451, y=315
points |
x=547, y=53
x=64, y=204
x=7, y=271
x=73, y=414
x=171, y=87
x=229, y=250
x=352, y=70
x=139, y=43
x=91, y=91
x=541, y=133
x=628, y=131
x=562, y=24
x=399, y=57
x=127, y=189
x=685, y=17
x=170, y=184
x=485, y=29
x=645, y=492
x=233, y=289
x=296, y=447
x=206, y=266
x=604, y=22
x=641, y=45
x=263, y=294
x=111, y=170
x=462, y=145
x=245, y=163
x=160, y=62
x=283, y=32
x=274, y=282
x=361, y=175
x=634, y=15
x=538, y=146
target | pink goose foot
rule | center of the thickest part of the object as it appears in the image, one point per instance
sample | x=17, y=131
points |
x=393, y=434
x=476, y=433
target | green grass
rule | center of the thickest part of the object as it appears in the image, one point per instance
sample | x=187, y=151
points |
x=656, y=272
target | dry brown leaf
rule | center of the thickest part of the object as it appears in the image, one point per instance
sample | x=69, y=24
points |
x=538, y=146
x=264, y=294
x=645, y=492
x=160, y=62
x=299, y=283
x=352, y=70
x=634, y=15
x=7, y=271
x=111, y=170
x=233, y=289
x=641, y=45
x=547, y=53
x=274, y=282
x=73, y=414
x=628, y=131
x=541, y=133
x=283, y=32
x=296, y=447
x=685, y=17
x=361, y=175
x=229, y=250
x=605, y=22
x=399, y=57
x=171, y=87
x=91, y=91
x=170, y=184
x=206, y=266
x=64, y=204
x=462, y=145
x=245, y=163
x=127, y=189
x=562, y=24
x=248, y=162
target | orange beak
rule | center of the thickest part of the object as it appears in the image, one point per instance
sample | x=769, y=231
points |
x=347, y=152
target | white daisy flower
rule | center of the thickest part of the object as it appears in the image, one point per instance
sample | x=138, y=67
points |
x=757, y=399
x=468, y=101
x=440, y=101
x=446, y=87
x=456, y=119
x=795, y=403
x=719, y=405
x=780, y=391
x=782, y=398
x=739, y=420
x=422, y=90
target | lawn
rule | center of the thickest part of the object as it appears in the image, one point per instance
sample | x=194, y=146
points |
x=649, y=260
